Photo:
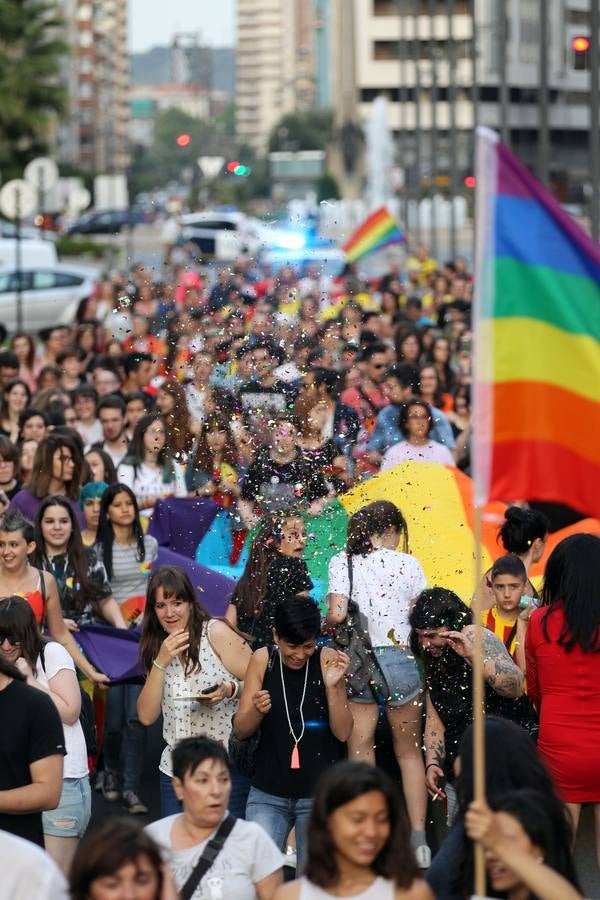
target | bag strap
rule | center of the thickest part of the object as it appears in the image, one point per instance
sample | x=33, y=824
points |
x=43, y=593
x=365, y=397
x=510, y=637
x=208, y=857
x=350, y=576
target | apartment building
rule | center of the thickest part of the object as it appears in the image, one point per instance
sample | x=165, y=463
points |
x=95, y=138
x=274, y=63
x=446, y=64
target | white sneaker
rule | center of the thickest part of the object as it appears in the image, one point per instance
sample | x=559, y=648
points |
x=423, y=856
x=290, y=858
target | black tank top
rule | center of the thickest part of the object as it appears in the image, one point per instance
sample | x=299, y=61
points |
x=317, y=750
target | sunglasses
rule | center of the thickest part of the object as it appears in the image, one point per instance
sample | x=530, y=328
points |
x=10, y=638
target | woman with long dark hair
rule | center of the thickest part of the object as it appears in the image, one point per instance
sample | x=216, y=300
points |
x=358, y=841
x=149, y=468
x=16, y=397
x=128, y=555
x=18, y=576
x=442, y=637
x=562, y=652
x=100, y=466
x=171, y=403
x=384, y=583
x=194, y=665
x=439, y=357
x=57, y=469
x=274, y=570
x=512, y=763
x=23, y=346
x=527, y=847
x=83, y=587
x=48, y=667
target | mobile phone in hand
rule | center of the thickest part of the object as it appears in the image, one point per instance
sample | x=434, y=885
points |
x=210, y=690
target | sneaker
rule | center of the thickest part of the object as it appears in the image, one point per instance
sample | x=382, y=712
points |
x=133, y=804
x=99, y=781
x=423, y=856
x=110, y=786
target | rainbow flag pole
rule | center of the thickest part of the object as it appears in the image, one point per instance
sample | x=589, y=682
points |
x=537, y=324
x=378, y=230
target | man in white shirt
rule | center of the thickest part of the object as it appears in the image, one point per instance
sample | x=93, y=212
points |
x=88, y=425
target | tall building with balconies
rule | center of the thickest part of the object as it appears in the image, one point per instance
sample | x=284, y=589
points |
x=95, y=138
x=445, y=65
x=275, y=65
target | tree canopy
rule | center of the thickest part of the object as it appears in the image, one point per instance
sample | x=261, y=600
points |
x=31, y=51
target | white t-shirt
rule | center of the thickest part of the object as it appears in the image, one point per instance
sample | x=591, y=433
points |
x=76, y=761
x=90, y=434
x=405, y=452
x=384, y=585
x=28, y=872
x=147, y=482
x=248, y=856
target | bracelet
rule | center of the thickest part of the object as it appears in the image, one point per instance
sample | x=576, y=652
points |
x=157, y=665
x=437, y=765
x=236, y=685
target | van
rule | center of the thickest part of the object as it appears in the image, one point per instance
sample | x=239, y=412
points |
x=33, y=253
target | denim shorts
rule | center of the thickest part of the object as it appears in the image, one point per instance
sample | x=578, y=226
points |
x=402, y=682
x=72, y=815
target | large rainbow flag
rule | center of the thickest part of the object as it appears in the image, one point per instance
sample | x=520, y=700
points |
x=378, y=230
x=537, y=366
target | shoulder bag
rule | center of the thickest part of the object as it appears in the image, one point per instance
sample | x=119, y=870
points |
x=243, y=752
x=211, y=851
x=352, y=637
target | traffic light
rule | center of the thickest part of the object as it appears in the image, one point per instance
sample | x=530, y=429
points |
x=470, y=181
x=580, y=45
x=235, y=167
x=183, y=140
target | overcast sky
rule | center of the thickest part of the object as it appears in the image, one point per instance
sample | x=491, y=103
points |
x=153, y=22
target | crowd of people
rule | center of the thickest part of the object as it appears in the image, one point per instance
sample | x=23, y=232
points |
x=271, y=394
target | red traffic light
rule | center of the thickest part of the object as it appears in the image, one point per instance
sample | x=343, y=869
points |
x=470, y=181
x=183, y=140
x=233, y=165
x=580, y=44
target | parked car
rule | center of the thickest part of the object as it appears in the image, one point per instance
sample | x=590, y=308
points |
x=51, y=294
x=106, y=221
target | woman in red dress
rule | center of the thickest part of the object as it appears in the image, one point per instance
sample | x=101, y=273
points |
x=563, y=672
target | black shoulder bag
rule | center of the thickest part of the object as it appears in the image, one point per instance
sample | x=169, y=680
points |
x=352, y=637
x=211, y=851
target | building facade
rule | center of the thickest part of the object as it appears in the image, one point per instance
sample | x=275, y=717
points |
x=446, y=65
x=95, y=138
x=275, y=65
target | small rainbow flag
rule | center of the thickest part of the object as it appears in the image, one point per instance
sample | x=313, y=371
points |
x=379, y=230
x=537, y=371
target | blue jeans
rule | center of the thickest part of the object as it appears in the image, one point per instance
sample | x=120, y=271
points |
x=278, y=815
x=240, y=786
x=124, y=735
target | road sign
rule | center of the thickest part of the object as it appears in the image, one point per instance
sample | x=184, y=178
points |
x=79, y=199
x=210, y=165
x=41, y=173
x=17, y=199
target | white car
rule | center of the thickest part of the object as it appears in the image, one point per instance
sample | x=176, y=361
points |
x=51, y=294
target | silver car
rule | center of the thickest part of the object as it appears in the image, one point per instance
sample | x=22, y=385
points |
x=51, y=294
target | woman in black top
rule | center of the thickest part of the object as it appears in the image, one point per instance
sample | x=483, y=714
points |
x=295, y=693
x=275, y=570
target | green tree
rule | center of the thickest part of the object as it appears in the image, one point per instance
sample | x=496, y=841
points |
x=31, y=51
x=309, y=130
